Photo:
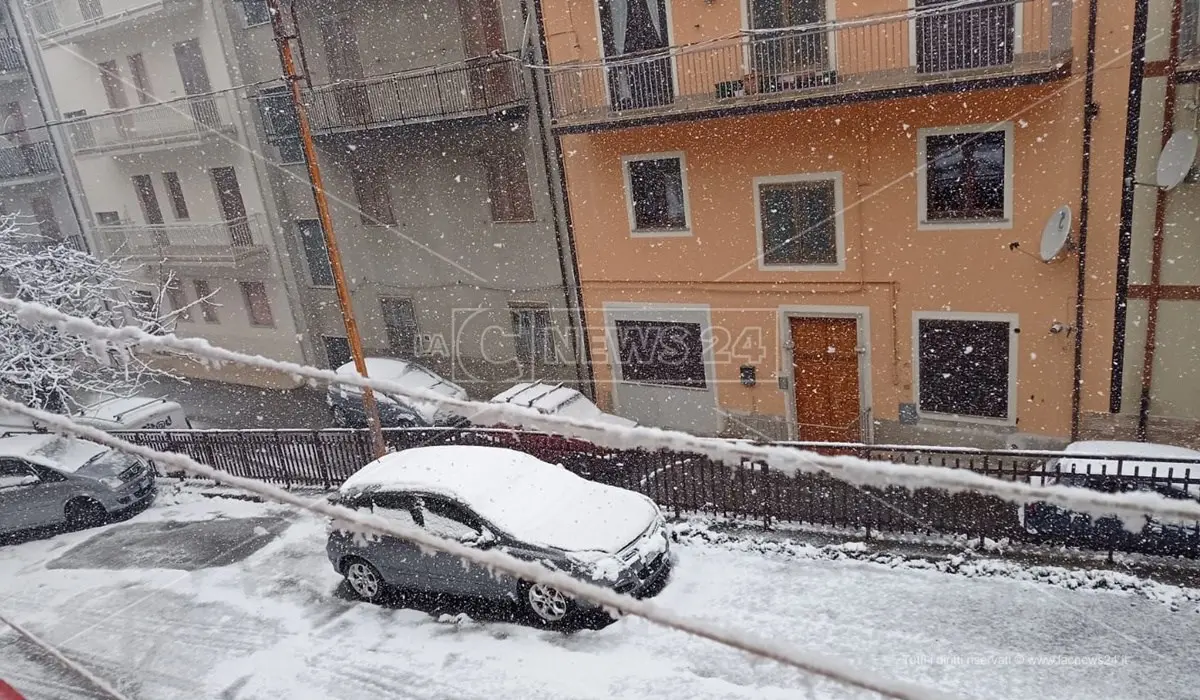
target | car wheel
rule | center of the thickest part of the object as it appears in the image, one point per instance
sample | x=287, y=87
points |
x=364, y=580
x=547, y=606
x=83, y=513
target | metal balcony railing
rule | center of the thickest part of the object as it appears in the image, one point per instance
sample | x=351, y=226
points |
x=181, y=122
x=221, y=242
x=921, y=47
x=471, y=88
x=56, y=18
x=10, y=55
x=27, y=159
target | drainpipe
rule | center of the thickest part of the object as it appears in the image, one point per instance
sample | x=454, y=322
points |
x=1160, y=217
x=1133, y=128
x=564, y=227
x=1090, y=111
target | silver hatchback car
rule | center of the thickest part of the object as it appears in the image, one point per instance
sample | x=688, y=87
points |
x=51, y=480
x=495, y=498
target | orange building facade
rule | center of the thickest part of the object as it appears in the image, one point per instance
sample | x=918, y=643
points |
x=821, y=220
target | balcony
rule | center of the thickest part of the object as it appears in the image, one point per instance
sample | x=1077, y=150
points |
x=470, y=89
x=991, y=43
x=156, y=126
x=236, y=247
x=27, y=162
x=70, y=20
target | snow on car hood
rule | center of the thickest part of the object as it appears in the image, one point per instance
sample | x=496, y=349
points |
x=407, y=374
x=583, y=517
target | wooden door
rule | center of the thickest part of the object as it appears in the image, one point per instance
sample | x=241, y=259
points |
x=491, y=80
x=233, y=207
x=344, y=61
x=193, y=72
x=825, y=372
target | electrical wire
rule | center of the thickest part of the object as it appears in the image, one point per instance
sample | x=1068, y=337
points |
x=1133, y=508
x=79, y=670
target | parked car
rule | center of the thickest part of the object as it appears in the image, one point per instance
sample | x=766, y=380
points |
x=1097, y=466
x=346, y=402
x=135, y=413
x=51, y=480
x=554, y=400
x=495, y=498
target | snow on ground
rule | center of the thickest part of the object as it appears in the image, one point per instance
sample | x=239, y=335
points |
x=274, y=625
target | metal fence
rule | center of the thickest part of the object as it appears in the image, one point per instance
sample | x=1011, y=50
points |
x=160, y=124
x=684, y=483
x=474, y=87
x=852, y=54
x=27, y=159
x=11, y=58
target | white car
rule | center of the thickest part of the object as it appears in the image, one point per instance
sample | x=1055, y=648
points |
x=558, y=400
x=346, y=403
x=135, y=413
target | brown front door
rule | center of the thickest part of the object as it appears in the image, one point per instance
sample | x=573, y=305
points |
x=483, y=32
x=825, y=371
x=233, y=207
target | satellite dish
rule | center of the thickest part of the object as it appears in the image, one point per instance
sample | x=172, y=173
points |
x=1177, y=158
x=1056, y=235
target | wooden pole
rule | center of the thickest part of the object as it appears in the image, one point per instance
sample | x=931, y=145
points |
x=283, y=42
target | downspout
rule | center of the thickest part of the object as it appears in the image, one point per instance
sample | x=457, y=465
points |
x=1160, y=218
x=1133, y=127
x=556, y=180
x=1090, y=111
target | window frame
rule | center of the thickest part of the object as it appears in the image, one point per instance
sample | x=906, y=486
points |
x=707, y=381
x=325, y=348
x=179, y=301
x=1014, y=328
x=174, y=187
x=839, y=220
x=208, y=307
x=549, y=349
x=387, y=329
x=276, y=136
x=508, y=161
x=300, y=236
x=369, y=179
x=922, y=170
x=627, y=177
x=246, y=23
x=246, y=297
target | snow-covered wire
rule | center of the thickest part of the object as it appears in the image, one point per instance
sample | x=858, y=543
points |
x=96, y=681
x=1130, y=507
x=830, y=667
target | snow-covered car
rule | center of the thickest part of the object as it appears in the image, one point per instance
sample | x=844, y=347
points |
x=135, y=413
x=495, y=498
x=553, y=400
x=1100, y=465
x=346, y=402
x=50, y=480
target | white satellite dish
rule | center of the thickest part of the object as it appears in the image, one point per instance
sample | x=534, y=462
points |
x=1056, y=235
x=1177, y=158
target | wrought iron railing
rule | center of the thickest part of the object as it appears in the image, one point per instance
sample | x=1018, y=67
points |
x=26, y=159
x=213, y=240
x=851, y=55
x=160, y=124
x=10, y=55
x=54, y=17
x=473, y=87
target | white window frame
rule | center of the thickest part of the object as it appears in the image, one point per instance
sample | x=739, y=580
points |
x=700, y=314
x=1014, y=326
x=839, y=220
x=923, y=224
x=634, y=232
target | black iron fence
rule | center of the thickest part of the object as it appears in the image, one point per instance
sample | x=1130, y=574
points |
x=10, y=55
x=683, y=483
x=27, y=159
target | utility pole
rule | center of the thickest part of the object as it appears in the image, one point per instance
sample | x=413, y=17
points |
x=283, y=40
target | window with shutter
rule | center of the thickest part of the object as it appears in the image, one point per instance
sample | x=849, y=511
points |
x=400, y=322
x=799, y=221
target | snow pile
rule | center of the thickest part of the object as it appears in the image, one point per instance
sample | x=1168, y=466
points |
x=967, y=563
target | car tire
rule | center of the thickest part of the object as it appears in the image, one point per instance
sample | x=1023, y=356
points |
x=83, y=513
x=364, y=579
x=549, y=608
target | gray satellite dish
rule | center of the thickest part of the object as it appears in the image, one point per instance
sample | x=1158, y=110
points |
x=1056, y=235
x=1176, y=159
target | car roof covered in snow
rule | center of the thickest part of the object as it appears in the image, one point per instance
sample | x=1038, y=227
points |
x=556, y=399
x=1146, y=458
x=122, y=409
x=54, y=451
x=531, y=500
x=409, y=374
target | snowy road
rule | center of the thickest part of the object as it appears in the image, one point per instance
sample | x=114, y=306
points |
x=271, y=625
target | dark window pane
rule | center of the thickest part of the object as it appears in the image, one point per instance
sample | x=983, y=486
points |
x=964, y=367
x=799, y=223
x=531, y=328
x=658, y=352
x=315, y=252
x=281, y=124
x=965, y=176
x=657, y=190
x=400, y=322
x=337, y=350
x=256, y=12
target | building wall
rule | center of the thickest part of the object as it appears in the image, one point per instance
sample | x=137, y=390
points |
x=893, y=267
x=73, y=74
